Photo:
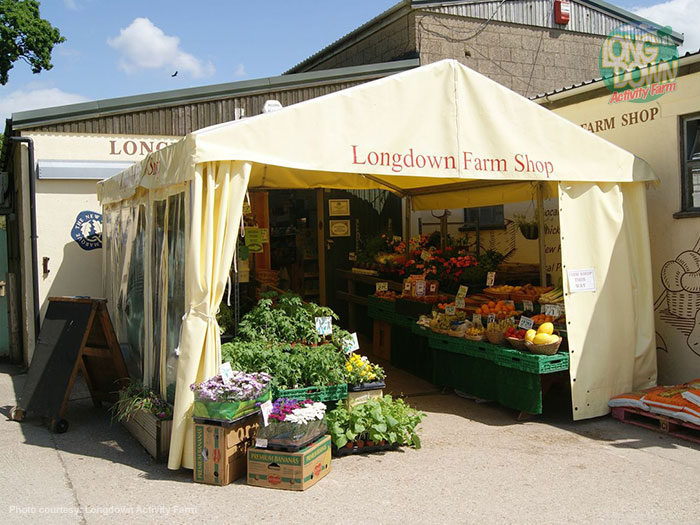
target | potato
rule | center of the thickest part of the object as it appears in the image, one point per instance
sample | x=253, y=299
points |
x=690, y=261
x=671, y=276
x=691, y=282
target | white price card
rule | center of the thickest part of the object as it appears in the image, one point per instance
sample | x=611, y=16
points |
x=582, y=280
x=324, y=325
x=491, y=318
x=490, y=278
x=351, y=343
x=425, y=255
x=381, y=287
x=407, y=285
x=476, y=319
x=459, y=302
x=266, y=410
x=352, y=256
x=420, y=288
x=226, y=372
x=552, y=310
x=528, y=306
x=525, y=323
x=450, y=309
x=261, y=442
x=462, y=292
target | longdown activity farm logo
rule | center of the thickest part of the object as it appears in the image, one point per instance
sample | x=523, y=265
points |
x=638, y=64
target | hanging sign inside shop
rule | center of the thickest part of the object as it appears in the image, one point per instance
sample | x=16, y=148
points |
x=254, y=240
x=582, y=280
x=490, y=278
x=528, y=306
x=324, y=325
x=462, y=292
x=526, y=323
x=459, y=302
x=226, y=372
x=351, y=344
x=87, y=230
x=476, y=319
x=381, y=287
x=339, y=228
x=338, y=207
x=450, y=309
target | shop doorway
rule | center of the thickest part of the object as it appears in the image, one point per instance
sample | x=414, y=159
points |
x=4, y=287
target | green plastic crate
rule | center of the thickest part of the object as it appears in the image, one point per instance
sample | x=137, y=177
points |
x=380, y=305
x=315, y=393
x=533, y=363
x=519, y=390
x=411, y=352
x=472, y=375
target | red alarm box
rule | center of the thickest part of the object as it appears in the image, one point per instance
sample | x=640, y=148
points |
x=562, y=10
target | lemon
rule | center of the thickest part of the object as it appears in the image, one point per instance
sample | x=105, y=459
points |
x=541, y=339
x=530, y=335
x=546, y=328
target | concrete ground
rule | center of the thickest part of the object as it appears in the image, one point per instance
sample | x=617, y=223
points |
x=477, y=465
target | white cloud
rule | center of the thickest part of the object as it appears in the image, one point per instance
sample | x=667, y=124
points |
x=34, y=98
x=71, y=4
x=143, y=45
x=240, y=71
x=681, y=15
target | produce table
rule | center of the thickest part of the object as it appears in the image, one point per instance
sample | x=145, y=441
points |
x=514, y=378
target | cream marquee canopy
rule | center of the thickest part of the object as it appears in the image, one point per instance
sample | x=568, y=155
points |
x=443, y=136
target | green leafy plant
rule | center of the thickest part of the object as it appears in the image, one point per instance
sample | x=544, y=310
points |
x=528, y=227
x=383, y=420
x=134, y=398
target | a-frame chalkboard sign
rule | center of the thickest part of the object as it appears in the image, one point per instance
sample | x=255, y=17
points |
x=76, y=335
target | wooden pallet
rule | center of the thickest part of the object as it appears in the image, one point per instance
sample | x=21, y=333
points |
x=659, y=423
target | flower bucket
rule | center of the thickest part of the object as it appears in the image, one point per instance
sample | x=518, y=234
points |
x=227, y=410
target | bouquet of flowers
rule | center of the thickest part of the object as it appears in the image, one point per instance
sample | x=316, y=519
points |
x=293, y=423
x=359, y=370
x=227, y=400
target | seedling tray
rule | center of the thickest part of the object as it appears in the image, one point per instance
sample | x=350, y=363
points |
x=291, y=447
x=345, y=451
x=224, y=423
x=375, y=385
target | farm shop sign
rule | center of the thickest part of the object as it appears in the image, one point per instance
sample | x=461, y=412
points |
x=626, y=119
x=137, y=147
x=467, y=160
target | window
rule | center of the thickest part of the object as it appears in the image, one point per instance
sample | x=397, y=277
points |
x=690, y=164
x=487, y=217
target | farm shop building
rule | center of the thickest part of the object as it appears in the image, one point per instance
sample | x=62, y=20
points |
x=53, y=216
x=666, y=133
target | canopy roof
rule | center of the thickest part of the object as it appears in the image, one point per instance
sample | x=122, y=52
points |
x=425, y=133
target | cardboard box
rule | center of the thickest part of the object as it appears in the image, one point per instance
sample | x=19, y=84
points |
x=290, y=470
x=358, y=398
x=220, y=452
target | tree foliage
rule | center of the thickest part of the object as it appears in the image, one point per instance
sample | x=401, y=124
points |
x=25, y=35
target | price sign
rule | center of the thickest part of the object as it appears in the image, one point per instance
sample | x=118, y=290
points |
x=425, y=255
x=381, y=287
x=490, y=278
x=420, y=288
x=265, y=235
x=433, y=287
x=527, y=306
x=226, y=372
x=462, y=292
x=510, y=303
x=450, y=309
x=406, y=285
x=526, y=323
x=491, y=318
x=511, y=320
x=324, y=325
x=261, y=442
x=476, y=319
x=266, y=410
x=351, y=343
x=459, y=302
x=552, y=310
x=352, y=256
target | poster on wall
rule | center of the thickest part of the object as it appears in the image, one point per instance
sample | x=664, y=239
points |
x=338, y=207
x=339, y=228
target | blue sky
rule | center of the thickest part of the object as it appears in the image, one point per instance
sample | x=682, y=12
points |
x=108, y=52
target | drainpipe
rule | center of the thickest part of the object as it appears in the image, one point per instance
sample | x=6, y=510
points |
x=32, y=227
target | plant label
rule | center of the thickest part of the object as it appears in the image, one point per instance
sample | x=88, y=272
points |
x=525, y=323
x=261, y=442
x=581, y=280
x=381, y=287
x=528, y=307
x=266, y=410
x=450, y=309
x=351, y=344
x=462, y=292
x=226, y=372
x=476, y=319
x=324, y=325
x=491, y=318
x=459, y=302
x=352, y=256
x=552, y=310
x=490, y=278
x=420, y=288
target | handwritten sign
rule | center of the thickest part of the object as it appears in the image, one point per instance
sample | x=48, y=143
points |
x=226, y=372
x=265, y=235
x=462, y=292
x=459, y=302
x=528, y=306
x=420, y=288
x=351, y=343
x=581, y=280
x=254, y=240
x=490, y=278
x=491, y=318
x=433, y=287
x=525, y=323
x=324, y=325
x=381, y=287
x=553, y=310
x=450, y=309
x=476, y=319
x=406, y=285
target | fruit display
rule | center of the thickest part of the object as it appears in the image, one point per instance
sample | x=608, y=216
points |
x=387, y=295
x=544, y=340
x=501, y=309
x=542, y=318
x=555, y=296
x=515, y=333
x=475, y=332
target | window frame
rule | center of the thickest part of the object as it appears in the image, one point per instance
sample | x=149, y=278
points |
x=687, y=206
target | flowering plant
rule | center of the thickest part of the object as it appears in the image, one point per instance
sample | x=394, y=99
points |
x=295, y=411
x=242, y=387
x=359, y=370
x=293, y=423
x=135, y=397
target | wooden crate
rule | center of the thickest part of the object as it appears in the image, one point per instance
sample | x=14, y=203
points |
x=151, y=432
x=381, y=340
x=657, y=422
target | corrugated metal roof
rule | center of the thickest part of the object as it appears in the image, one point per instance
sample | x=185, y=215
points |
x=34, y=118
x=588, y=16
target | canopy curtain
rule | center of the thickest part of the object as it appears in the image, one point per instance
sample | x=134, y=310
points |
x=217, y=193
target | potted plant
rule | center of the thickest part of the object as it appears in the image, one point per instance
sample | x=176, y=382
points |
x=528, y=227
x=293, y=424
x=223, y=400
x=362, y=375
x=147, y=416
